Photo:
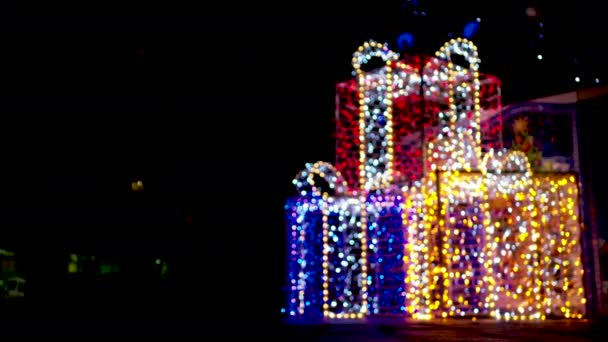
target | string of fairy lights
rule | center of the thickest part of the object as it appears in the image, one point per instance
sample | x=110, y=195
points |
x=479, y=234
x=375, y=119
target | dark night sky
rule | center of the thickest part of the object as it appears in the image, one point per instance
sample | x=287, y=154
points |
x=216, y=111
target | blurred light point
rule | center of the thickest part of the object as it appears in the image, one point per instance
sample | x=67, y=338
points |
x=6, y=252
x=531, y=12
x=540, y=57
x=478, y=20
x=405, y=40
x=470, y=29
x=137, y=186
x=157, y=261
x=597, y=80
x=577, y=79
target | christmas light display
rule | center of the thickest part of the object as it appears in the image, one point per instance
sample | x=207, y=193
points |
x=426, y=215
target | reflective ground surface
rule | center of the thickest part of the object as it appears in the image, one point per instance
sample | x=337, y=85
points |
x=553, y=331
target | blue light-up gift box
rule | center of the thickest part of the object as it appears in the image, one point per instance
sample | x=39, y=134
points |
x=336, y=268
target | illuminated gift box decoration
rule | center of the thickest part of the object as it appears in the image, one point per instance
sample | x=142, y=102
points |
x=467, y=230
x=420, y=100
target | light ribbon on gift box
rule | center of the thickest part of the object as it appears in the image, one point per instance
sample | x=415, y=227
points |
x=326, y=171
x=351, y=256
x=375, y=116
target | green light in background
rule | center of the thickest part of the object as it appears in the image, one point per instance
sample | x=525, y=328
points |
x=105, y=269
x=108, y=268
x=72, y=267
